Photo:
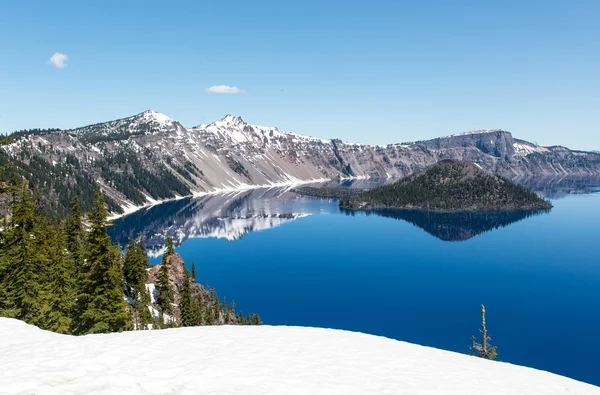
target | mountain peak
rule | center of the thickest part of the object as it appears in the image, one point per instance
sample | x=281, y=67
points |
x=151, y=115
x=229, y=119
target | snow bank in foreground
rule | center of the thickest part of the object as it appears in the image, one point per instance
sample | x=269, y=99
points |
x=252, y=360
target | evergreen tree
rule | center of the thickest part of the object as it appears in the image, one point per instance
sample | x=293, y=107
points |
x=198, y=311
x=75, y=234
x=60, y=291
x=129, y=267
x=185, y=302
x=165, y=293
x=143, y=252
x=142, y=310
x=209, y=313
x=105, y=309
x=231, y=315
x=256, y=320
x=135, y=275
x=24, y=261
x=484, y=349
x=194, y=278
x=75, y=238
x=241, y=320
x=216, y=306
x=170, y=248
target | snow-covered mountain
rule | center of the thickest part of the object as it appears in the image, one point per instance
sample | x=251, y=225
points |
x=253, y=360
x=149, y=157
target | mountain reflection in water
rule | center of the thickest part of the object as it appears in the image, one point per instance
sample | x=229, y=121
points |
x=455, y=226
x=232, y=215
x=229, y=216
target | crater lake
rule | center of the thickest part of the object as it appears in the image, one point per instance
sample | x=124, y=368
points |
x=412, y=276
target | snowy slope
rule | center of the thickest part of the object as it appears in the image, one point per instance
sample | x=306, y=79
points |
x=252, y=360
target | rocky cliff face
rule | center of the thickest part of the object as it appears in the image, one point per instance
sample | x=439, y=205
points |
x=150, y=157
x=207, y=299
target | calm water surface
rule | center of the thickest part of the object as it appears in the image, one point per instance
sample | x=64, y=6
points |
x=413, y=276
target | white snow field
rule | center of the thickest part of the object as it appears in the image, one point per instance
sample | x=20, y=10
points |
x=252, y=360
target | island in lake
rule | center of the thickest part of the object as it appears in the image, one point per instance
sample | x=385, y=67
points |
x=449, y=186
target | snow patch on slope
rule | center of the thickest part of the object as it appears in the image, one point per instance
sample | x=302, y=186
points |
x=253, y=360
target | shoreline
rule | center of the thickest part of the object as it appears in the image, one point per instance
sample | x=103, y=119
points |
x=127, y=210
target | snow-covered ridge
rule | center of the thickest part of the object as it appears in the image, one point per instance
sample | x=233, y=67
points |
x=253, y=360
x=480, y=131
x=239, y=131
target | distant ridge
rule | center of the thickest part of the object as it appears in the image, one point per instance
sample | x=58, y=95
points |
x=150, y=157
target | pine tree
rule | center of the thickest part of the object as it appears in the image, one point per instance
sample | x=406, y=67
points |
x=105, y=308
x=256, y=320
x=129, y=267
x=75, y=239
x=75, y=234
x=198, y=311
x=240, y=319
x=142, y=313
x=484, y=349
x=194, y=278
x=231, y=316
x=185, y=302
x=209, y=313
x=135, y=274
x=143, y=252
x=170, y=248
x=165, y=293
x=24, y=261
x=217, y=306
x=140, y=276
x=61, y=287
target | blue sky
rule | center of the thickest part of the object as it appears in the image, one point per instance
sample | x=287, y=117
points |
x=372, y=72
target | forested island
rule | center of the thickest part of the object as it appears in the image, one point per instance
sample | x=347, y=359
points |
x=328, y=193
x=449, y=186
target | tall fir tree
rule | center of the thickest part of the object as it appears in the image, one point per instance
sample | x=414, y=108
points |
x=61, y=286
x=129, y=264
x=140, y=276
x=105, y=310
x=256, y=320
x=75, y=239
x=24, y=261
x=143, y=252
x=194, y=278
x=142, y=310
x=165, y=296
x=198, y=310
x=170, y=247
x=75, y=234
x=134, y=271
x=185, y=302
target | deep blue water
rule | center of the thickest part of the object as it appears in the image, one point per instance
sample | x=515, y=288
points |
x=397, y=275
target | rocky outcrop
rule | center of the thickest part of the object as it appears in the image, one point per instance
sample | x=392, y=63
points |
x=496, y=143
x=206, y=298
x=177, y=273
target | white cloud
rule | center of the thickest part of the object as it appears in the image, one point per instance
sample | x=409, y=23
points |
x=59, y=60
x=224, y=89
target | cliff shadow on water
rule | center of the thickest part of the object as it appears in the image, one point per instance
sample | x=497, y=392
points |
x=458, y=226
